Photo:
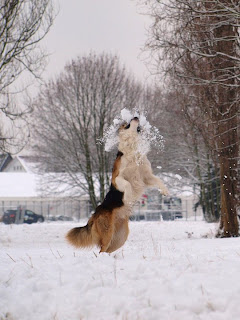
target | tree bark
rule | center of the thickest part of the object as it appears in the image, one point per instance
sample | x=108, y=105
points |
x=226, y=117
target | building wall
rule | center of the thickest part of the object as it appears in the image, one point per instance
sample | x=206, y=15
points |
x=15, y=166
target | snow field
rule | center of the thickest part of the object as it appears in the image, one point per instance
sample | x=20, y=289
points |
x=166, y=270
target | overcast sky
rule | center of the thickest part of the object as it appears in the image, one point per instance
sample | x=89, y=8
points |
x=114, y=26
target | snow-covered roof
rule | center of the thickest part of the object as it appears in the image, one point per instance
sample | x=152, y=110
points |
x=30, y=164
x=4, y=161
x=21, y=164
x=18, y=185
x=30, y=185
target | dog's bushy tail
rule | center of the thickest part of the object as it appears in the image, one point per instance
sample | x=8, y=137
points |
x=81, y=237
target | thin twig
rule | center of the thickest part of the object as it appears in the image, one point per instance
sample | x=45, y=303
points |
x=10, y=257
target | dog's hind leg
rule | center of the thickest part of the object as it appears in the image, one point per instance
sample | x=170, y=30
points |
x=105, y=228
x=120, y=234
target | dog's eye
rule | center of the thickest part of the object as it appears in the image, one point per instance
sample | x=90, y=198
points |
x=128, y=126
x=138, y=129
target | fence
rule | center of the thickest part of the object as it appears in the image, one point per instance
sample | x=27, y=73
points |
x=167, y=209
x=51, y=209
x=67, y=209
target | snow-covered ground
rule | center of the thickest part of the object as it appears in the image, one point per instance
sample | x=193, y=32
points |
x=166, y=270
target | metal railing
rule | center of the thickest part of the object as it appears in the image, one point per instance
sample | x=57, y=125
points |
x=73, y=209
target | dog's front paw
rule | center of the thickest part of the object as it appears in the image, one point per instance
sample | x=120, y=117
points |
x=164, y=191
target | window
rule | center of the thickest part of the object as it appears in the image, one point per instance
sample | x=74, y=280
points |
x=29, y=213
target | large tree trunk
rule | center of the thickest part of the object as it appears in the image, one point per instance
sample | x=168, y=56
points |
x=227, y=137
x=228, y=148
x=229, y=221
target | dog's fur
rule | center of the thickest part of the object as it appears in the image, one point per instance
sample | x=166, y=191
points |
x=132, y=173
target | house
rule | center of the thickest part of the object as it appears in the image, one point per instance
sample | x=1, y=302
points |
x=21, y=185
x=20, y=164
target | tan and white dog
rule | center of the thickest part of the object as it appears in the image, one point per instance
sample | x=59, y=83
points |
x=132, y=173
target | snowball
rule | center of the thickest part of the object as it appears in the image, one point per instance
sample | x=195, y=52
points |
x=126, y=115
x=110, y=138
x=148, y=126
x=142, y=120
x=116, y=121
x=149, y=134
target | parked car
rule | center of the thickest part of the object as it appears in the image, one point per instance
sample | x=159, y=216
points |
x=171, y=215
x=137, y=217
x=60, y=218
x=29, y=216
x=65, y=218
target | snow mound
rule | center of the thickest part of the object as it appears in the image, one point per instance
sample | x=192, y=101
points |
x=150, y=135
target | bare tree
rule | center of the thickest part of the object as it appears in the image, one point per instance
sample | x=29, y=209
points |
x=23, y=24
x=196, y=43
x=71, y=114
x=186, y=153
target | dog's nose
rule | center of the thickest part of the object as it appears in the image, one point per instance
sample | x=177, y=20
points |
x=135, y=118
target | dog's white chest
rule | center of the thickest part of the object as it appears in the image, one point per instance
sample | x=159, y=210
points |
x=132, y=174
